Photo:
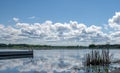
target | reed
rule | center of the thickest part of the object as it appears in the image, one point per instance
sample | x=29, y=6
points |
x=97, y=57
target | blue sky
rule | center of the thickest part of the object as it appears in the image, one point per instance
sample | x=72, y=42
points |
x=94, y=12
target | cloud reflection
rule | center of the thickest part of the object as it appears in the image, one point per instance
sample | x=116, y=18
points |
x=47, y=63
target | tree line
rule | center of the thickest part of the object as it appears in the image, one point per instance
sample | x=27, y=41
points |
x=2, y=45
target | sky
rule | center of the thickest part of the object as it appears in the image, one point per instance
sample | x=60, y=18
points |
x=60, y=22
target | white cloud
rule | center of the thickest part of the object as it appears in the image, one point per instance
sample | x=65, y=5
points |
x=106, y=27
x=1, y=26
x=15, y=19
x=32, y=17
x=114, y=22
x=115, y=36
x=55, y=33
x=61, y=32
x=8, y=33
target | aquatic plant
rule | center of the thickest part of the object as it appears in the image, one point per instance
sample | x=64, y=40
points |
x=97, y=69
x=97, y=57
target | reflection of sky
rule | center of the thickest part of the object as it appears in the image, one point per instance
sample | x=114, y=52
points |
x=48, y=61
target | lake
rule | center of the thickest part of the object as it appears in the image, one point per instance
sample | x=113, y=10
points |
x=55, y=61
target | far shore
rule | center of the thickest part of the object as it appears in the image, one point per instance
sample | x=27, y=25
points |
x=47, y=48
x=31, y=46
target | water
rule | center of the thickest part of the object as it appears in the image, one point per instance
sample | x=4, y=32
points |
x=55, y=61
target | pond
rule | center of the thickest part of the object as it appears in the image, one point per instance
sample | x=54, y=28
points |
x=56, y=61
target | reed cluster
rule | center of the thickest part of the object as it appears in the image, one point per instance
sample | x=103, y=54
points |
x=97, y=57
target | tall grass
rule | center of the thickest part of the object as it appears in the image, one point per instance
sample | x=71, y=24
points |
x=97, y=57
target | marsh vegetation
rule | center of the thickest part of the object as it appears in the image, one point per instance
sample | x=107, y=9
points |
x=98, y=57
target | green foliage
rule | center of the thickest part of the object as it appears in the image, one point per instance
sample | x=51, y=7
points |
x=92, y=46
x=24, y=46
x=38, y=46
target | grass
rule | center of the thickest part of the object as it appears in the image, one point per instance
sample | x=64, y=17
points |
x=97, y=57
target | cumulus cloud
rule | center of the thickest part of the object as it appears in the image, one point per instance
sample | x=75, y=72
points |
x=115, y=36
x=15, y=19
x=8, y=33
x=54, y=32
x=61, y=33
x=73, y=31
x=114, y=22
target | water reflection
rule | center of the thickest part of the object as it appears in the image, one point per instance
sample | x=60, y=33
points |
x=97, y=69
x=38, y=66
x=51, y=62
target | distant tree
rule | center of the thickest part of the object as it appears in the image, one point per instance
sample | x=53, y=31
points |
x=92, y=46
x=2, y=45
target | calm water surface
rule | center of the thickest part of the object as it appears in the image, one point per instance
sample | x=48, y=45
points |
x=55, y=61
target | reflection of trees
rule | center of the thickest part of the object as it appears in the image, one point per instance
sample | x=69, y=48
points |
x=96, y=69
x=91, y=69
x=40, y=72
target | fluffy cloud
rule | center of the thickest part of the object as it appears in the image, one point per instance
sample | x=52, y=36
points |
x=55, y=32
x=115, y=36
x=72, y=33
x=114, y=22
x=15, y=19
x=8, y=33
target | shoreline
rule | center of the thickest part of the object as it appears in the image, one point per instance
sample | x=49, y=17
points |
x=50, y=48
